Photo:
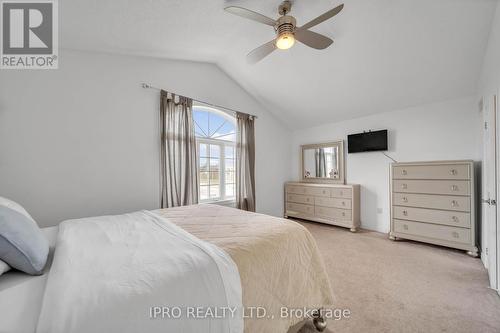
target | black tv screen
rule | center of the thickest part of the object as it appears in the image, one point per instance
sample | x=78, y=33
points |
x=368, y=141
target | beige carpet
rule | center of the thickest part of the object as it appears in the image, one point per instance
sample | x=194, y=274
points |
x=405, y=286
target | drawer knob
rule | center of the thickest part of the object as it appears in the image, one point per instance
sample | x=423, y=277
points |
x=454, y=218
x=405, y=226
x=404, y=186
x=307, y=199
x=324, y=192
x=454, y=203
x=343, y=203
x=405, y=212
x=404, y=172
x=453, y=172
x=343, y=213
x=455, y=234
x=454, y=187
x=405, y=199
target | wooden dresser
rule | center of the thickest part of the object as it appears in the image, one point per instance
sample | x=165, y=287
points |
x=434, y=202
x=327, y=203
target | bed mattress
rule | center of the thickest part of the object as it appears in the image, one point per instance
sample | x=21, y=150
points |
x=21, y=294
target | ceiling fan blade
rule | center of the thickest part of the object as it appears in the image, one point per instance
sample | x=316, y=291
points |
x=313, y=39
x=251, y=15
x=261, y=52
x=329, y=14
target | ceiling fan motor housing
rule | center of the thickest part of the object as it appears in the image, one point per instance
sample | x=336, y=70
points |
x=285, y=7
x=285, y=24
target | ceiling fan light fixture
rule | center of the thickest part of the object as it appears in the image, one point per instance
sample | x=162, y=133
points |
x=285, y=41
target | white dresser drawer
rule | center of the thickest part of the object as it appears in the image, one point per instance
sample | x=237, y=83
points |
x=342, y=203
x=333, y=202
x=446, y=187
x=440, y=232
x=320, y=191
x=324, y=202
x=444, y=171
x=299, y=208
x=299, y=198
x=342, y=193
x=456, y=219
x=329, y=213
x=309, y=190
x=296, y=189
x=447, y=202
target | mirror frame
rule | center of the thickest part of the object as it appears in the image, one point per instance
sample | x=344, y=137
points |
x=340, y=145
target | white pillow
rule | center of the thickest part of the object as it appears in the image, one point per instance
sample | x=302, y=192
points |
x=3, y=267
x=15, y=206
x=18, y=208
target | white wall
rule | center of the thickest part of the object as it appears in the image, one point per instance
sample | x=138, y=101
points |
x=449, y=130
x=83, y=140
x=489, y=81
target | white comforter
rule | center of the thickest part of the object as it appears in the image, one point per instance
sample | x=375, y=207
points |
x=115, y=273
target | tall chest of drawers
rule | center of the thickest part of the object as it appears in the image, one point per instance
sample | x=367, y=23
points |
x=327, y=203
x=434, y=202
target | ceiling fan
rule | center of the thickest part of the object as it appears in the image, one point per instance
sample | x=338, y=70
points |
x=286, y=30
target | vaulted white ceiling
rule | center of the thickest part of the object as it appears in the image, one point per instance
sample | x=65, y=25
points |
x=387, y=55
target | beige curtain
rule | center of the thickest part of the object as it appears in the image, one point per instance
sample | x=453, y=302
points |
x=320, y=162
x=245, y=162
x=178, y=160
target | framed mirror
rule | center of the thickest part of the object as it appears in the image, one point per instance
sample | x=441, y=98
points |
x=323, y=162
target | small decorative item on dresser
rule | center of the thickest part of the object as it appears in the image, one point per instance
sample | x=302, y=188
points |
x=433, y=202
x=327, y=203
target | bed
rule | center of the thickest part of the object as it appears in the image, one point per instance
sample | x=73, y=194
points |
x=278, y=263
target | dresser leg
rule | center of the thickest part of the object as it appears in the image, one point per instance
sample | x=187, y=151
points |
x=354, y=229
x=392, y=237
x=473, y=253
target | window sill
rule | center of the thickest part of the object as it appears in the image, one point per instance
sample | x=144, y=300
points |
x=228, y=203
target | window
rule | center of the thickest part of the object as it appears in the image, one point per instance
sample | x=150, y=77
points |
x=332, y=167
x=215, y=136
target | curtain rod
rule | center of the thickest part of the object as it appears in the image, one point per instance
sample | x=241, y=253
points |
x=149, y=86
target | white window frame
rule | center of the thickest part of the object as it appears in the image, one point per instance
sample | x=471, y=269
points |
x=222, y=161
x=222, y=168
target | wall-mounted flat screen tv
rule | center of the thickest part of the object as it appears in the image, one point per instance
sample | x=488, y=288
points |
x=367, y=141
